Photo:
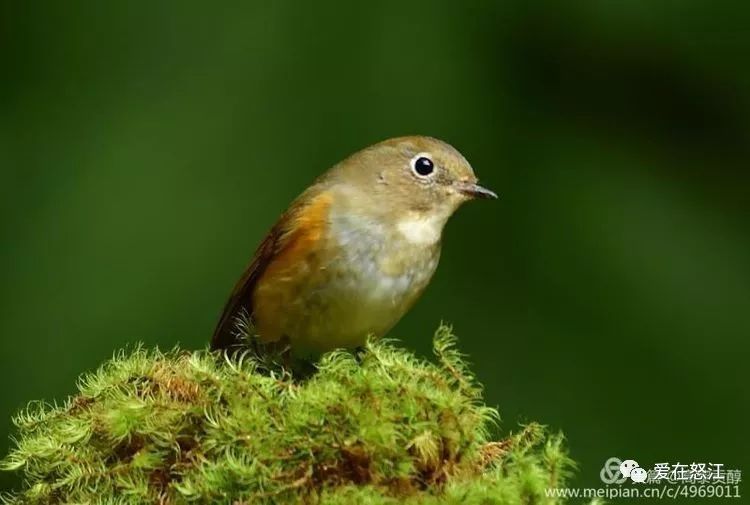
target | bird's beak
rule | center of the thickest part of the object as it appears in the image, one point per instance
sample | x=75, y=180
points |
x=474, y=190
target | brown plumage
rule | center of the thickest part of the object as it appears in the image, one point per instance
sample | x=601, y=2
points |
x=355, y=250
x=296, y=232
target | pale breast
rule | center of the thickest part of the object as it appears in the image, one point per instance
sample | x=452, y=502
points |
x=374, y=276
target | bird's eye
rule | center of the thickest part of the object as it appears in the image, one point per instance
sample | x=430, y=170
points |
x=422, y=166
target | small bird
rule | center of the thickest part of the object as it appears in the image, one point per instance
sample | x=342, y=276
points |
x=354, y=251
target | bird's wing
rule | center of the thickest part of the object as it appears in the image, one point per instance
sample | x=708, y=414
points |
x=226, y=332
x=296, y=232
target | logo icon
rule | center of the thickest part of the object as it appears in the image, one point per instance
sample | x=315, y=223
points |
x=617, y=471
x=611, y=473
x=627, y=466
x=638, y=475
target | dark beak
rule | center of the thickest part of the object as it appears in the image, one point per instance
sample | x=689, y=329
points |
x=474, y=190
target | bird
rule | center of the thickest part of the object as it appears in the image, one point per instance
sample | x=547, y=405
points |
x=354, y=251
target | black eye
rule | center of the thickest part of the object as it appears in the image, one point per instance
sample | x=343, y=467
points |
x=423, y=166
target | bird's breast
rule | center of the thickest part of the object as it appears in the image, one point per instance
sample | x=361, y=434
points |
x=371, y=276
x=393, y=257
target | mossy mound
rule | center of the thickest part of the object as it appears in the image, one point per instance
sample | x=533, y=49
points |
x=380, y=427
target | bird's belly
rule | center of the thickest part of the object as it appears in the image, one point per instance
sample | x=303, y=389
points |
x=364, y=292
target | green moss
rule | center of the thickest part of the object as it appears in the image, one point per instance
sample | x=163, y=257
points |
x=380, y=427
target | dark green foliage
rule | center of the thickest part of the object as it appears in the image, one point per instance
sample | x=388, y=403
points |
x=382, y=427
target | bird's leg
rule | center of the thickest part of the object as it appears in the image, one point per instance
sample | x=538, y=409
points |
x=286, y=359
x=360, y=352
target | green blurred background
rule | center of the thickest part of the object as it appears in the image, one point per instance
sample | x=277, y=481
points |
x=146, y=147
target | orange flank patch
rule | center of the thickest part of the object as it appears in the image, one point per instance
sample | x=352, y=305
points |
x=292, y=262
